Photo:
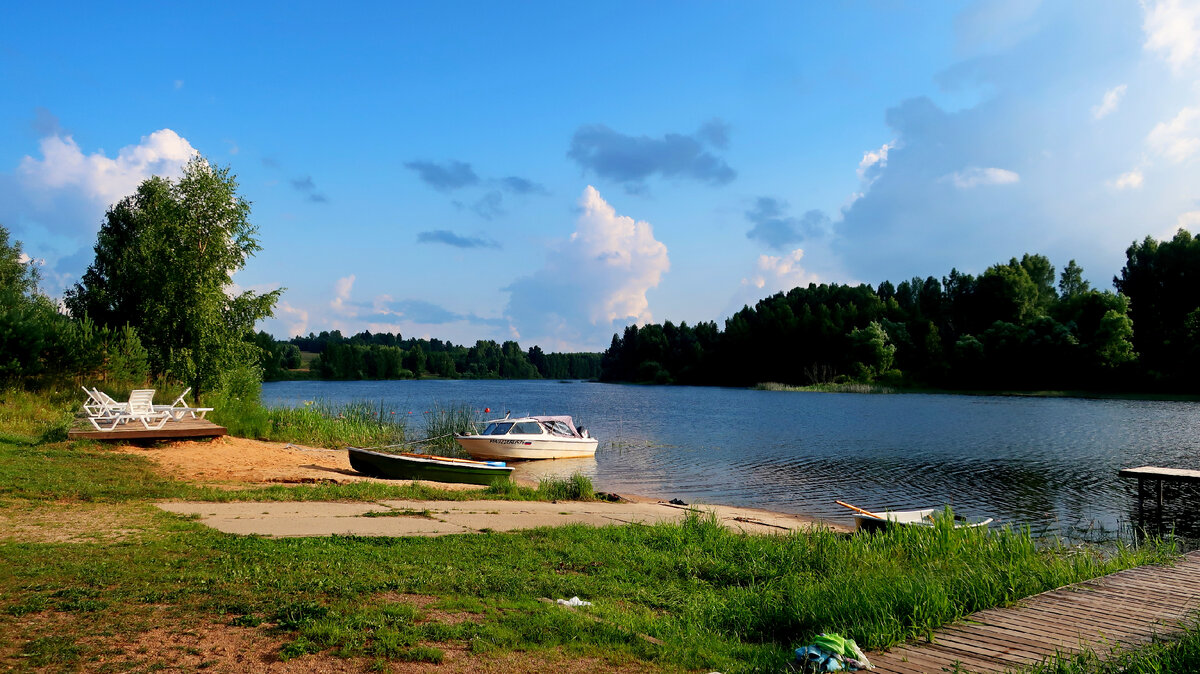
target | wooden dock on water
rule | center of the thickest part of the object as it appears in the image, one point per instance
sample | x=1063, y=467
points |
x=1128, y=608
x=184, y=429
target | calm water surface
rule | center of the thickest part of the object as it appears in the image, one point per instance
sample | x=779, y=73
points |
x=1051, y=463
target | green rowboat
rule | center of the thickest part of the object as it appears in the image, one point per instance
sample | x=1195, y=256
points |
x=426, y=467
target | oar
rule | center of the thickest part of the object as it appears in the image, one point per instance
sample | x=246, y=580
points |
x=857, y=509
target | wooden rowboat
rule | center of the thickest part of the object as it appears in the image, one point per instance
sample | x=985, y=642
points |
x=913, y=518
x=865, y=520
x=426, y=467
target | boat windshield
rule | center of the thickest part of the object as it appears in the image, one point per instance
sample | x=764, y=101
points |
x=497, y=428
x=528, y=428
x=559, y=428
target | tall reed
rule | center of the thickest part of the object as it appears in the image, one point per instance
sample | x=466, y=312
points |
x=442, y=422
x=358, y=423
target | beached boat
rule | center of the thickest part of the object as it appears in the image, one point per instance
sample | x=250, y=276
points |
x=426, y=467
x=529, y=438
x=912, y=518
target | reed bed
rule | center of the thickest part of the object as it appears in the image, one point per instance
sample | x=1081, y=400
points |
x=442, y=422
x=849, y=387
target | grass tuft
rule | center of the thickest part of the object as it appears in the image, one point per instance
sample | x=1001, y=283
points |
x=578, y=487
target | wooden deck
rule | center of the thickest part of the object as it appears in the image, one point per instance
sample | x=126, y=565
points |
x=173, y=430
x=1128, y=607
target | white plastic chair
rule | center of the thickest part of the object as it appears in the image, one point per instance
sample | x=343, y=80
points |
x=94, y=407
x=141, y=408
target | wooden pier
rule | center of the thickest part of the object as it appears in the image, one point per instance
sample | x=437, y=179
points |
x=1127, y=608
x=134, y=430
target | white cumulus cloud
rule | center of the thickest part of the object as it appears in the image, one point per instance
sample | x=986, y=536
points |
x=1188, y=220
x=1178, y=139
x=1131, y=180
x=341, y=295
x=1172, y=29
x=293, y=318
x=874, y=158
x=773, y=273
x=974, y=177
x=101, y=179
x=593, y=282
x=1108, y=105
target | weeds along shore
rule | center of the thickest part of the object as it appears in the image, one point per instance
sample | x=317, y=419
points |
x=710, y=598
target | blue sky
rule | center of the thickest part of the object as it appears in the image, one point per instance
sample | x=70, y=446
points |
x=551, y=172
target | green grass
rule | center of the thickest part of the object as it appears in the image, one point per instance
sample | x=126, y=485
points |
x=577, y=487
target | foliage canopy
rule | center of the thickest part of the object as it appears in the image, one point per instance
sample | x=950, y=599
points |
x=165, y=259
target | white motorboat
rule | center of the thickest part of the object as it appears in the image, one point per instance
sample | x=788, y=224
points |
x=522, y=438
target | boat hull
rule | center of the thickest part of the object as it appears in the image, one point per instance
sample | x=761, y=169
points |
x=432, y=469
x=516, y=449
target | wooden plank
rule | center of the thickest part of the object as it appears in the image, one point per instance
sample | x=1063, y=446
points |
x=1127, y=609
x=1077, y=615
x=186, y=428
x=1152, y=594
x=1037, y=627
x=1093, y=622
x=1033, y=643
x=1005, y=641
x=1189, y=576
x=1157, y=473
x=969, y=661
x=1161, y=606
x=932, y=660
x=977, y=646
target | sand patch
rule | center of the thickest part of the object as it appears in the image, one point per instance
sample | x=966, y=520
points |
x=228, y=460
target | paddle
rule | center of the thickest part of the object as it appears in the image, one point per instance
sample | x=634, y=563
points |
x=857, y=509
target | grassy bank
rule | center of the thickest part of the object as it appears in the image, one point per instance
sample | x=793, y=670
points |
x=716, y=599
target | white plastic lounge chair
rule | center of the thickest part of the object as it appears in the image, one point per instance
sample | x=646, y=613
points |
x=94, y=407
x=110, y=407
x=141, y=408
x=180, y=408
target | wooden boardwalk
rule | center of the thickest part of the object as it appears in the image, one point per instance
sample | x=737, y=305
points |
x=1128, y=607
x=173, y=430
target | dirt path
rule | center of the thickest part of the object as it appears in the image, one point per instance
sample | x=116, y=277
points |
x=235, y=462
x=439, y=518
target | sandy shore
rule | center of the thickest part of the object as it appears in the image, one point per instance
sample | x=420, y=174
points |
x=231, y=462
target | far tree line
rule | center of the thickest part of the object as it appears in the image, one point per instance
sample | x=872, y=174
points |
x=384, y=355
x=1019, y=325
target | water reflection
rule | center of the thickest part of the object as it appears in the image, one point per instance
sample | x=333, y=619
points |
x=1049, y=463
x=534, y=471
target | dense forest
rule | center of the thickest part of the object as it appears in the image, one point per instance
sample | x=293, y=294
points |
x=387, y=356
x=1012, y=327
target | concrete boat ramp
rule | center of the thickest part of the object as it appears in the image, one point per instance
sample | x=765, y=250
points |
x=439, y=518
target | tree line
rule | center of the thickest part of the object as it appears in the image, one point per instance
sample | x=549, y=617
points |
x=385, y=355
x=1012, y=327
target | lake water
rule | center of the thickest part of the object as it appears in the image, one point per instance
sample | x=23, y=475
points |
x=1049, y=463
